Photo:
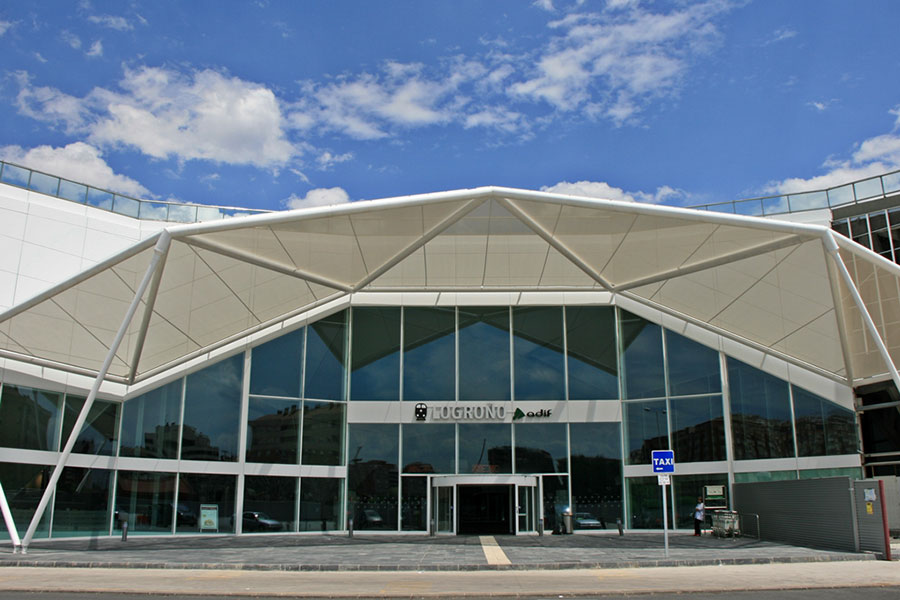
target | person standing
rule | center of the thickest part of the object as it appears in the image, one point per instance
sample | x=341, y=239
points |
x=699, y=515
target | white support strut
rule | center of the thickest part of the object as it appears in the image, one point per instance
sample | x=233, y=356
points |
x=10, y=523
x=834, y=251
x=162, y=247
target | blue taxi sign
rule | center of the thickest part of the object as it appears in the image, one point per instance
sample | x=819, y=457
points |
x=663, y=461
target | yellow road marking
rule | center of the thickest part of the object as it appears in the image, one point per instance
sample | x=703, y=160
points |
x=493, y=553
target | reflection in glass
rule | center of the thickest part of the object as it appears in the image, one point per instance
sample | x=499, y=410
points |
x=147, y=501
x=686, y=489
x=270, y=504
x=541, y=448
x=72, y=191
x=538, y=353
x=485, y=448
x=205, y=503
x=372, y=475
x=642, y=357
x=323, y=433
x=150, y=423
x=484, y=353
x=212, y=409
x=273, y=430
x=24, y=485
x=698, y=429
x=320, y=504
x=81, y=505
x=98, y=436
x=823, y=427
x=556, y=500
x=591, y=342
x=275, y=369
x=596, y=472
x=645, y=503
x=326, y=346
x=760, y=413
x=429, y=353
x=414, y=504
x=646, y=429
x=429, y=448
x=693, y=367
x=375, y=363
x=29, y=418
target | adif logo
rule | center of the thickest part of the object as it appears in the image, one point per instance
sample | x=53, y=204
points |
x=421, y=411
x=519, y=414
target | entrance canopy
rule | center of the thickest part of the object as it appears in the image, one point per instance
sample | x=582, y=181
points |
x=799, y=292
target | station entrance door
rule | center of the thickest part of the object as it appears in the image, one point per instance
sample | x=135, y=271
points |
x=485, y=504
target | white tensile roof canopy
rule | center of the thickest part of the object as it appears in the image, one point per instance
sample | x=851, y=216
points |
x=797, y=291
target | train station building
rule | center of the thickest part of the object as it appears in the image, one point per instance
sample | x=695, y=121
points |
x=472, y=361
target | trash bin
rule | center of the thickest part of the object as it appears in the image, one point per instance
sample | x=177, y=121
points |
x=567, y=522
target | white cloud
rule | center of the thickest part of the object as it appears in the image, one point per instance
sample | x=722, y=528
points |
x=619, y=60
x=318, y=197
x=873, y=156
x=203, y=115
x=326, y=159
x=71, y=39
x=96, y=49
x=600, y=189
x=40, y=58
x=5, y=26
x=79, y=162
x=779, y=35
x=112, y=22
x=544, y=5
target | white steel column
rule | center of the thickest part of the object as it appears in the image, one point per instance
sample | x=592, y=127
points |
x=10, y=524
x=833, y=250
x=162, y=247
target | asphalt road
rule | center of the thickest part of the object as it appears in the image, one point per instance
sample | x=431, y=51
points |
x=869, y=593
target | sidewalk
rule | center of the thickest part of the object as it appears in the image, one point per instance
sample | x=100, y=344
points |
x=393, y=566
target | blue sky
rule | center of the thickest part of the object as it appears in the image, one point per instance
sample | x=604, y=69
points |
x=271, y=104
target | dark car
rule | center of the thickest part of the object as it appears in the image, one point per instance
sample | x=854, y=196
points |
x=260, y=521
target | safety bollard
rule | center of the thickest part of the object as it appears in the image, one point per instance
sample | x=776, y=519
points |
x=619, y=527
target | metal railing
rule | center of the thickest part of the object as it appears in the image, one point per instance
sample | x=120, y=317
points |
x=152, y=210
x=854, y=192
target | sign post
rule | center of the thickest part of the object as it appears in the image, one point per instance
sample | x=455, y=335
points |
x=663, y=465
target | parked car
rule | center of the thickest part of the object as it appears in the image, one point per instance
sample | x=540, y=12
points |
x=585, y=520
x=255, y=520
x=370, y=519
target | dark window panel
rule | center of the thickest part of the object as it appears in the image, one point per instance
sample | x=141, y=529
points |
x=196, y=492
x=760, y=413
x=539, y=362
x=843, y=227
x=823, y=428
x=81, y=503
x=878, y=221
x=698, y=429
x=596, y=468
x=642, y=357
x=646, y=429
x=693, y=367
x=98, y=436
x=24, y=485
x=429, y=354
x=375, y=363
x=212, y=409
x=320, y=504
x=485, y=448
x=414, y=504
x=147, y=501
x=484, y=353
x=593, y=360
x=29, y=418
x=881, y=242
x=372, y=475
x=326, y=360
x=273, y=430
x=150, y=423
x=270, y=504
x=429, y=448
x=323, y=433
x=541, y=448
x=275, y=366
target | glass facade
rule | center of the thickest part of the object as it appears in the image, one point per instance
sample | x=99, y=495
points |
x=324, y=427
